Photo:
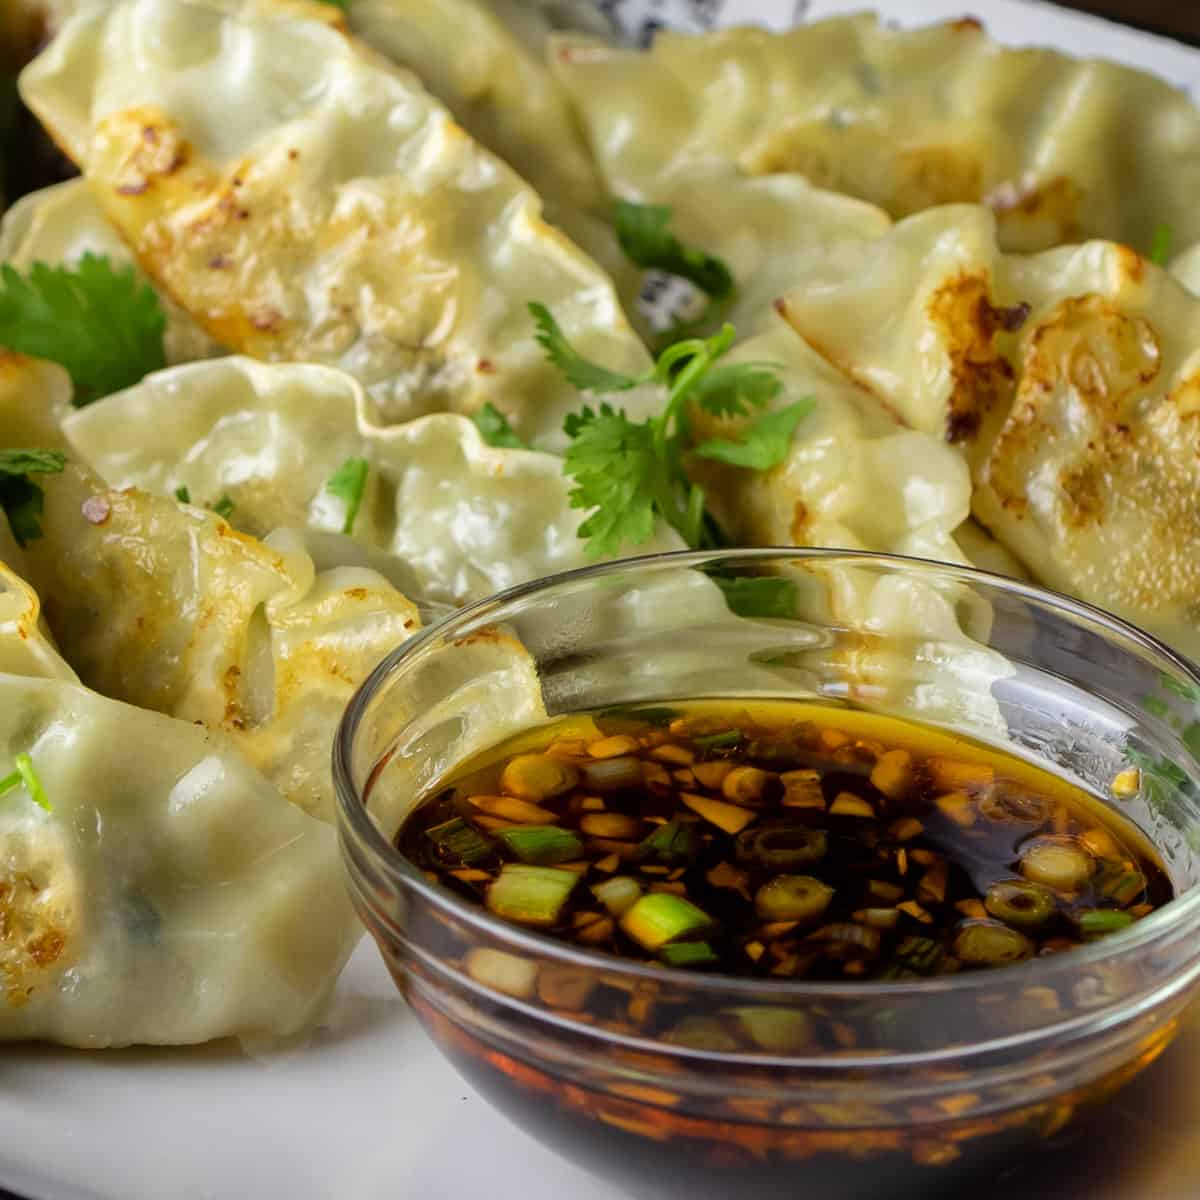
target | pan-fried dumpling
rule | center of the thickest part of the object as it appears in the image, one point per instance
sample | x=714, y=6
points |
x=165, y=606
x=304, y=199
x=485, y=61
x=170, y=895
x=1069, y=379
x=59, y=225
x=465, y=518
x=26, y=647
x=1061, y=149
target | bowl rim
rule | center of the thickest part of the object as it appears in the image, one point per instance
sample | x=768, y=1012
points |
x=355, y=825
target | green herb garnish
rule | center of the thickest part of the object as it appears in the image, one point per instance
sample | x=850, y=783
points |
x=495, y=430
x=224, y=508
x=183, y=495
x=714, y=741
x=758, y=595
x=689, y=954
x=630, y=473
x=104, y=326
x=460, y=842
x=348, y=483
x=671, y=843
x=542, y=845
x=1103, y=921
x=644, y=234
x=1160, y=247
x=26, y=775
x=651, y=715
x=765, y=443
x=21, y=499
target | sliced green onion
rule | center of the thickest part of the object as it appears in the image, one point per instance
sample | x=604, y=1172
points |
x=782, y=1030
x=530, y=895
x=1104, y=920
x=1020, y=903
x=347, y=484
x=663, y=917
x=651, y=715
x=990, y=944
x=1120, y=885
x=673, y=842
x=792, y=898
x=507, y=973
x=714, y=741
x=914, y=956
x=609, y=774
x=703, y=1033
x=689, y=954
x=224, y=508
x=183, y=495
x=542, y=845
x=782, y=847
x=618, y=894
x=459, y=841
x=25, y=774
x=847, y=940
x=1061, y=865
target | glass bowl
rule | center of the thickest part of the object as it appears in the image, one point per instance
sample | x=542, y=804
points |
x=933, y=1078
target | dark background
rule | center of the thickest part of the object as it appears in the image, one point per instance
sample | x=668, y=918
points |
x=1181, y=18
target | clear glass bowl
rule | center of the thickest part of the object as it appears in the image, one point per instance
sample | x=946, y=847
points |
x=937, y=1077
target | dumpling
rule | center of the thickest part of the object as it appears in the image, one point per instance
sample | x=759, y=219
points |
x=305, y=200
x=464, y=518
x=165, y=606
x=169, y=895
x=907, y=119
x=1070, y=380
x=855, y=477
x=485, y=61
x=59, y=225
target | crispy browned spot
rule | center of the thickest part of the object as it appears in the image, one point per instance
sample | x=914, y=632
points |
x=799, y=526
x=962, y=311
x=32, y=937
x=1032, y=215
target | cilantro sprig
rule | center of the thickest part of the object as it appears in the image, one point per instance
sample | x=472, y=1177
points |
x=629, y=473
x=20, y=498
x=26, y=775
x=103, y=325
x=348, y=484
x=644, y=234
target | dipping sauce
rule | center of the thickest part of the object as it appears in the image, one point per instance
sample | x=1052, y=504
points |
x=778, y=839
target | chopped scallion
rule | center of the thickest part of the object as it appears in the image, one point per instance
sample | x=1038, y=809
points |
x=460, y=842
x=542, y=845
x=670, y=843
x=618, y=894
x=1104, y=920
x=714, y=741
x=530, y=895
x=662, y=917
x=224, y=508
x=183, y=495
x=689, y=954
x=26, y=775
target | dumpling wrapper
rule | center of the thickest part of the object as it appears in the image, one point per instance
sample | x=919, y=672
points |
x=59, y=225
x=1070, y=381
x=306, y=200
x=485, y=61
x=171, y=895
x=1061, y=149
x=464, y=518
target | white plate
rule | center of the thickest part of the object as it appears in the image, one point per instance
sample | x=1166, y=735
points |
x=368, y=1110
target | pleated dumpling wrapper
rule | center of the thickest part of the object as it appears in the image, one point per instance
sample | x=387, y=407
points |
x=463, y=519
x=304, y=199
x=59, y=225
x=168, y=894
x=1061, y=149
x=1069, y=381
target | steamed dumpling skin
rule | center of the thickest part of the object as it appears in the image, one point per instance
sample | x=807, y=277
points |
x=463, y=518
x=171, y=895
x=304, y=199
x=1061, y=149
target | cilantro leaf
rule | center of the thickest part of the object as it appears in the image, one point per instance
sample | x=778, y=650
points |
x=586, y=376
x=1164, y=783
x=644, y=235
x=20, y=498
x=348, y=483
x=613, y=462
x=758, y=595
x=1189, y=691
x=224, y=508
x=732, y=389
x=102, y=325
x=183, y=495
x=495, y=430
x=1160, y=247
x=765, y=443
